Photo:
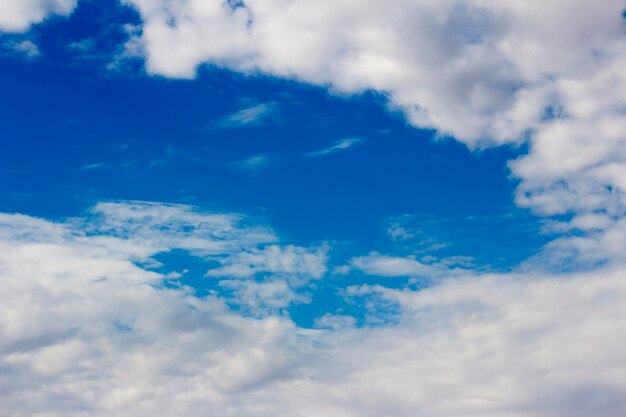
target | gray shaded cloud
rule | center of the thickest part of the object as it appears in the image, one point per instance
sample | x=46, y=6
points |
x=86, y=331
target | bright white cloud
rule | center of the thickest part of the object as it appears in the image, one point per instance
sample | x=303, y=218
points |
x=486, y=72
x=19, y=15
x=85, y=331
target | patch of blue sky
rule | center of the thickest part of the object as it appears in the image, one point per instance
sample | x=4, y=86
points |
x=76, y=131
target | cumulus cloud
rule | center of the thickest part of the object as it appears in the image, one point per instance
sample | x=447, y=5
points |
x=485, y=72
x=86, y=331
x=19, y=15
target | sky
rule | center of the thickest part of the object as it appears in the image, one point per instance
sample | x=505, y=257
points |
x=308, y=208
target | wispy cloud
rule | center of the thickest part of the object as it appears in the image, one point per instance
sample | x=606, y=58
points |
x=255, y=115
x=94, y=166
x=254, y=163
x=84, y=45
x=101, y=166
x=25, y=48
x=338, y=146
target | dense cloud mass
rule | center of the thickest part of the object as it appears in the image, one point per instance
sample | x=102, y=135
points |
x=86, y=330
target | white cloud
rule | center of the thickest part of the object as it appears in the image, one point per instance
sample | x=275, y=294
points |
x=85, y=331
x=289, y=259
x=486, y=72
x=392, y=266
x=340, y=145
x=397, y=266
x=19, y=15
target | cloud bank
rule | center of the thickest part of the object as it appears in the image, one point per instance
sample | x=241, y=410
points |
x=89, y=326
x=85, y=330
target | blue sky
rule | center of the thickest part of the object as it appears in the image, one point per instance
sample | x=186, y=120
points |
x=256, y=197
x=316, y=165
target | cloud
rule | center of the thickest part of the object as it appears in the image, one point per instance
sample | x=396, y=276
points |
x=19, y=15
x=340, y=145
x=86, y=330
x=25, y=48
x=396, y=266
x=484, y=72
x=276, y=260
x=254, y=163
x=249, y=116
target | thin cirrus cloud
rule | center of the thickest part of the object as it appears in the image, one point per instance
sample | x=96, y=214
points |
x=254, y=115
x=254, y=163
x=338, y=146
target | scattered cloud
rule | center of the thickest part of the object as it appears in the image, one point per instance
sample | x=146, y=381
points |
x=78, y=311
x=483, y=72
x=340, y=145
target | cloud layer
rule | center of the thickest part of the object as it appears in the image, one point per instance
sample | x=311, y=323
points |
x=85, y=330
x=88, y=326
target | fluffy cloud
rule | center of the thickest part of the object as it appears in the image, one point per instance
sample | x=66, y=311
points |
x=393, y=266
x=486, y=72
x=276, y=260
x=19, y=15
x=86, y=331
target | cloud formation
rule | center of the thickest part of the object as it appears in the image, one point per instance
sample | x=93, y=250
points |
x=484, y=72
x=85, y=331
x=19, y=15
